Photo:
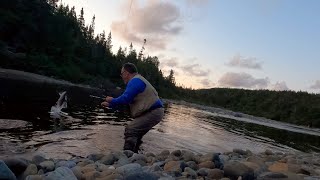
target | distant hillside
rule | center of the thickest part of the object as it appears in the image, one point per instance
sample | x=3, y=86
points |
x=288, y=106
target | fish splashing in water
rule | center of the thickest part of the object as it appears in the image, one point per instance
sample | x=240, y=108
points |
x=56, y=110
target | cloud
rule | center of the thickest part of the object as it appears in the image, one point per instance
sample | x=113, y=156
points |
x=244, y=62
x=242, y=80
x=169, y=63
x=316, y=85
x=280, y=86
x=195, y=70
x=206, y=83
x=156, y=21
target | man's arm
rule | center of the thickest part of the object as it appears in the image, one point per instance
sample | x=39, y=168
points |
x=134, y=87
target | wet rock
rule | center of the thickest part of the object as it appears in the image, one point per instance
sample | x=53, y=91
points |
x=165, y=153
x=108, y=159
x=123, y=161
x=257, y=169
x=137, y=157
x=271, y=175
x=173, y=168
x=217, y=161
x=128, y=153
x=188, y=156
x=203, y=172
x=31, y=170
x=34, y=177
x=142, y=163
x=207, y=164
x=190, y=173
x=129, y=168
x=236, y=169
x=206, y=157
x=68, y=164
x=60, y=173
x=47, y=166
x=215, y=174
x=5, y=172
x=176, y=153
x=95, y=157
x=37, y=159
x=149, y=154
x=91, y=175
x=77, y=172
x=141, y=176
x=84, y=162
x=193, y=165
x=111, y=177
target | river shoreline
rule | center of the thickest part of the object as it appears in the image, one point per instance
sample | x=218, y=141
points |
x=225, y=113
x=177, y=164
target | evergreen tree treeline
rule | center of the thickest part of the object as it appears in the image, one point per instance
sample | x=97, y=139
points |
x=43, y=37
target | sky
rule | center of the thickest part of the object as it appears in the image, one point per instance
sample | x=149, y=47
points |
x=250, y=44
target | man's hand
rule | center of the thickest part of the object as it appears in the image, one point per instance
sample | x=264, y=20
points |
x=109, y=99
x=105, y=104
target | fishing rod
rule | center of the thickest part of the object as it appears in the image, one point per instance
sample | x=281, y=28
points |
x=97, y=97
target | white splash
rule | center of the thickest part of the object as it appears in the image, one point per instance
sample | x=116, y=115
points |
x=56, y=110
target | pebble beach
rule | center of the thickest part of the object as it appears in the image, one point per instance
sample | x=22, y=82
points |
x=179, y=164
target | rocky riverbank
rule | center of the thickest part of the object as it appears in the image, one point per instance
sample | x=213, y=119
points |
x=179, y=164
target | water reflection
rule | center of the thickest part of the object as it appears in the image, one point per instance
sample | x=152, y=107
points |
x=88, y=128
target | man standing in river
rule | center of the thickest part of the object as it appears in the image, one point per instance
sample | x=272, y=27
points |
x=145, y=106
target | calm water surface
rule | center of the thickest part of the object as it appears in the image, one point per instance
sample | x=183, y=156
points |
x=90, y=129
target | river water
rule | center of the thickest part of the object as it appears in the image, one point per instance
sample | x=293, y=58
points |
x=26, y=127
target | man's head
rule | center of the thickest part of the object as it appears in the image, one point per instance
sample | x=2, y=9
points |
x=128, y=71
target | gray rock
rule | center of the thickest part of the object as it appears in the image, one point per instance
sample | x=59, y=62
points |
x=188, y=156
x=47, y=166
x=77, y=172
x=118, y=155
x=34, y=177
x=68, y=164
x=149, y=154
x=61, y=173
x=84, y=162
x=141, y=176
x=108, y=159
x=95, y=157
x=203, y=172
x=123, y=161
x=37, y=159
x=156, y=167
x=137, y=157
x=5, y=172
x=192, y=165
x=31, y=170
x=190, y=173
x=165, y=153
x=129, y=168
x=176, y=153
x=215, y=174
x=271, y=175
x=236, y=169
x=128, y=153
